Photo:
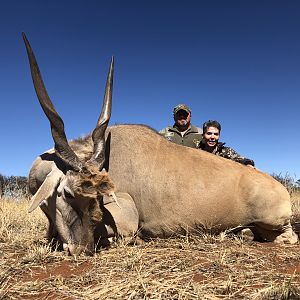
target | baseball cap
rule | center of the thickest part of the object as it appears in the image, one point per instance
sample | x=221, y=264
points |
x=179, y=107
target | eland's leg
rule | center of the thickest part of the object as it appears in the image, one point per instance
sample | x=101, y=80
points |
x=277, y=234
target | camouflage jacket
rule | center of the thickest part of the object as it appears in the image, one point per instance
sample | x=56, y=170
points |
x=191, y=138
x=229, y=153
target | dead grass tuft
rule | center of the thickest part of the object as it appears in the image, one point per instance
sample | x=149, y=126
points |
x=295, y=197
x=284, y=291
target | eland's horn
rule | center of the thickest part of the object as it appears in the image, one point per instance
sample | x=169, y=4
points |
x=99, y=132
x=62, y=147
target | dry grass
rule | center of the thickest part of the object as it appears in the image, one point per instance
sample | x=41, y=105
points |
x=191, y=267
x=295, y=196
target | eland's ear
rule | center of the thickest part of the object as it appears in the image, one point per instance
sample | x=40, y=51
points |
x=47, y=189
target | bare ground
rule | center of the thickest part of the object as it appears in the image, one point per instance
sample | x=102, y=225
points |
x=188, y=267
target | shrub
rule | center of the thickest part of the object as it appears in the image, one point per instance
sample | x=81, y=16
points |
x=13, y=187
x=291, y=184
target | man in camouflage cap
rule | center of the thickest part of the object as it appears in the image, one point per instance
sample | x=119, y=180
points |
x=183, y=132
x=210, y=143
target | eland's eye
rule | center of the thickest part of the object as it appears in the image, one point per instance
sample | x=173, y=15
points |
x=87, y=184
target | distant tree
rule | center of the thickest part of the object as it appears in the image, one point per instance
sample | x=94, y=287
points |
x=14, y=187
x=288, y=181
x=1, y=184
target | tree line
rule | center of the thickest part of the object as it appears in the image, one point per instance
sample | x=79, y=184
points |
x=16, y=187
x=13, y=187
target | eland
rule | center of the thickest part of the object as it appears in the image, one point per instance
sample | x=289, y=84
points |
x=128, y=180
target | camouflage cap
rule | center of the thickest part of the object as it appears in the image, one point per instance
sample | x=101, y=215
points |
x=179, y=107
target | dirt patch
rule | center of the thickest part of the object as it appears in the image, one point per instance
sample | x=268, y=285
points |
x=63, y=269
x=292, y=269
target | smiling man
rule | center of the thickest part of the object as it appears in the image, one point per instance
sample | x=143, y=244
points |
x=210, y=143
x=183, y=132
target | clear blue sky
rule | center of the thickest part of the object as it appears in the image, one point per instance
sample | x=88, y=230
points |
x=234, y=61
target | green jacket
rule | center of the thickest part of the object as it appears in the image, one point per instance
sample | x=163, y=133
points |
x=191, y=138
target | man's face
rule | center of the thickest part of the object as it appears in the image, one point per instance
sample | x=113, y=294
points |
x=211, y=136
x=182, y=118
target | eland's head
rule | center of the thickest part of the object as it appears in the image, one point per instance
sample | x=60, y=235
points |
x=70, y=194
